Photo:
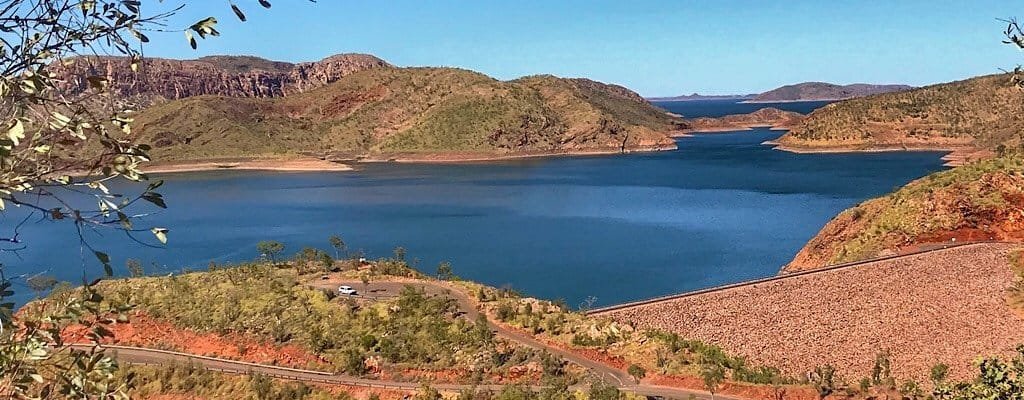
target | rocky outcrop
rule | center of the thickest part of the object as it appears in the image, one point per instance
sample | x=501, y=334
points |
x=765, y=117
x=232, y=76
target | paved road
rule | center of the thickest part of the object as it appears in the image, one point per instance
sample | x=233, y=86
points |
x=136, y=355
x=378, y=290
x=609, y=374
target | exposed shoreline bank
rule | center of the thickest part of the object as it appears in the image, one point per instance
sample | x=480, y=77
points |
x=320, y=165
x=269, y=164
x=955, y=155
x=469, y=157
x=725, y=129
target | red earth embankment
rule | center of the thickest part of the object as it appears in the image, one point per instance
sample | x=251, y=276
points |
x=947, y=306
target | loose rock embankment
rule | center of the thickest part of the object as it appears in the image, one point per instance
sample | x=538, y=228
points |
x=946, y=306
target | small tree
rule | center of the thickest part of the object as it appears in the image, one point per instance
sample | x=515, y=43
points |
x=444, y=271
x=637, y=372
x=881, y=373
x=713, y=374
x=41, y=284
x=365, y=278
x=399, y=253
x=338, y=244
x=270, y=249
x=939, y=373
x=134, y=268
x=823, y=380
x=603, y=391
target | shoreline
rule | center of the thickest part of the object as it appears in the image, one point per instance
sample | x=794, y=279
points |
x=740, y=128
x=319, y=165
x=473, y=157
x=955, y=155
x=269, y=164
x=752, y=101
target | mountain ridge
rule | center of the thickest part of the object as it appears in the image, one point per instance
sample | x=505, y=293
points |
x=822, y=91
x=412, y=113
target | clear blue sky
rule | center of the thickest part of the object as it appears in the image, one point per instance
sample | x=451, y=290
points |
x=653, y=47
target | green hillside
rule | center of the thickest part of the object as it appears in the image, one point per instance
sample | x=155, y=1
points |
x=411, y=111
x=983, y=112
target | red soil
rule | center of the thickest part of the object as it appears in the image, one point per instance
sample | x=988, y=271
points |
x=143, y=331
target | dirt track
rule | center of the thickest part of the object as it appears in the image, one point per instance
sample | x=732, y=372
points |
x=945, y=306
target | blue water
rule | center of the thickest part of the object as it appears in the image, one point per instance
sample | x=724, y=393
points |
x=718, y=108
x=721, y=209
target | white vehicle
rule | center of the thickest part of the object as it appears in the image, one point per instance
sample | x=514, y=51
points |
x=347, y=290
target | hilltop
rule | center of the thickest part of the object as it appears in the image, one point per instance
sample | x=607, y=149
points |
x=978, y=201
x=982, y=113
x=412, y=113
x=810, y=91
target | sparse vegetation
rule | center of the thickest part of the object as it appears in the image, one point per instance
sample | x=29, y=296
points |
x=408, y=110
x=272, y=303
x=190, y=380
x=982, y=112
x=1016, y=292
x=977, y=201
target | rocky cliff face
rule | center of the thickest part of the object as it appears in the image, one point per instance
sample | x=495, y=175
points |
x=229, y=76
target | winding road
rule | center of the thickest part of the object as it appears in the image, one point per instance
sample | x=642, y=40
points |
x=386, y=289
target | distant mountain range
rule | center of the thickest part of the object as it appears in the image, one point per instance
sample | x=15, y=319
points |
x=696, y=96
x=807, y=91
x=811, y=91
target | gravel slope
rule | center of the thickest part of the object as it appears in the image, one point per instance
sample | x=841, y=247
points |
x=946, y=306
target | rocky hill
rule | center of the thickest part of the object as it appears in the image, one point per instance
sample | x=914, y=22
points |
x=769, y=117
x=699, y=97
x=809, y=91
x=978, y=113
x=979, y=201
x=235, y=76
x=405, y=113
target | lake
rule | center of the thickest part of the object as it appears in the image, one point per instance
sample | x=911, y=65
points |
x=722, y=208
x=718, y=108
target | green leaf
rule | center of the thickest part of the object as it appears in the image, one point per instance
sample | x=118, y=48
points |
x=161, y=234
x=142, y=38
x=16, y=132
x=105, y=259
x=98, y=82
x=238, y=12
x=154, y=198
x=191, y=40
